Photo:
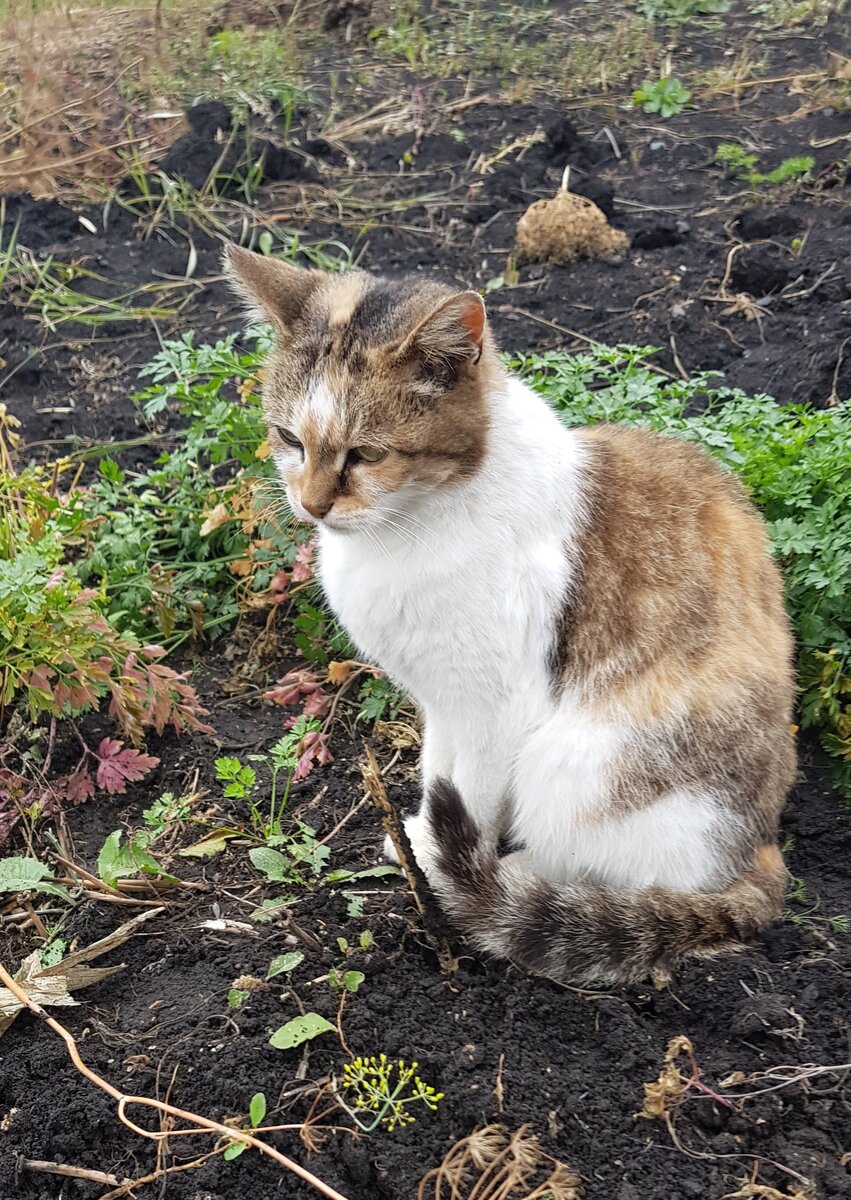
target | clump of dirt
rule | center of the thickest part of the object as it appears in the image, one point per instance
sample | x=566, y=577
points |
x=39, y=223
x=760, y=270
x=566, y=228
x=215, y=147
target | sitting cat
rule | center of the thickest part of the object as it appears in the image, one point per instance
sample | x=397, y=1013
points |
x=589, y=620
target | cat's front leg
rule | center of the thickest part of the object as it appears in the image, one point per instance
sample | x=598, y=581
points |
x=436, y=762
x=480, y=770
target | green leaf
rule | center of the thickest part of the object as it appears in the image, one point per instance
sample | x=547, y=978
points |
x=299, y=1030
x=284, y=963
x=237, y=997
x=29, y=875
x=111, y=859
x=343, y=876
x=53, y=953
x=352, y=980
x=117, y=861
x=271, y=908
x=271, y=863
x=257, y=1109
x=233, y=1151
x=354, y=906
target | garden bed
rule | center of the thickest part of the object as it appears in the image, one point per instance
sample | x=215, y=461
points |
x=723, y=275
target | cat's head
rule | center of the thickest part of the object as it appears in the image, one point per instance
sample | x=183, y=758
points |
x=376, y=391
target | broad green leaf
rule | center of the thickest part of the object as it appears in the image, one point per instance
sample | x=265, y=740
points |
x=352, y=980
x=341, y=875
x=233, y=1151
x=257, y=1109
x=271, y=863
x=299, y=1030
x=110, y=858
x=29, y=875
x=284, y=963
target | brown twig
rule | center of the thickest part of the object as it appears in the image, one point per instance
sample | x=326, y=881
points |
x=51, y=1168
x=395, y=830
x=123, y=1100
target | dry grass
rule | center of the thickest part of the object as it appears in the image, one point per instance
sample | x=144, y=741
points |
x=64, y=112
x=493, y=1164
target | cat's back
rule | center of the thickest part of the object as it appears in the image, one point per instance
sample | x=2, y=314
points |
x=676, y=558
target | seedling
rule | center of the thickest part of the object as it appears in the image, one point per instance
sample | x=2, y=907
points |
x=667, y=97
x=296, y=750
x=166, y=811
x=375, y=1091
x=256, y=1115
x=379, y=700
x=742, y=164
x=300, y=1030
x=120, y=860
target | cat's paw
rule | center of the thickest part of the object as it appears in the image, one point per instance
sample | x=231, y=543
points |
x=419, y=833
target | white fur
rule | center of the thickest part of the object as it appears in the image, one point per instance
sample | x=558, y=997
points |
x=322, y=405
x=455, y=592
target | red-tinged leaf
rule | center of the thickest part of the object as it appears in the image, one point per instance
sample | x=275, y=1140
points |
x=83, y=695
x=151, y=652
x=303, y=565
x=305, y=766
x=39, y=678
x=317, y=704
x=118, y=767
x=80, y=787
x=284, y=695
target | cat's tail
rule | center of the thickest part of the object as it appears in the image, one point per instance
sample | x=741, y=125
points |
x=583, y=933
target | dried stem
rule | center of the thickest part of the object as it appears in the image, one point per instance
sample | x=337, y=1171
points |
x=390, y=819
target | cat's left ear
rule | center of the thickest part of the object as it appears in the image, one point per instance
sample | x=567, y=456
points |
x=452, y=333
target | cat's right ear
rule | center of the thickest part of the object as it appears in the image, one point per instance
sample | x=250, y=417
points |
x=275, y=291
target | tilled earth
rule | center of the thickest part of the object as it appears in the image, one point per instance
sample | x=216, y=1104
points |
x=719, y=278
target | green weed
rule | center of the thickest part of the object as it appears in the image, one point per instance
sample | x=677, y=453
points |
x=666, y=96
x=256, y=1115
x=742, y=164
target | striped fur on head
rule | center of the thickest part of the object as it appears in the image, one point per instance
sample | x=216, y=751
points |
x=398, y=365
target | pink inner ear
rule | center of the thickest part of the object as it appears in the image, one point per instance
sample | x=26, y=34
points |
x=473, y=321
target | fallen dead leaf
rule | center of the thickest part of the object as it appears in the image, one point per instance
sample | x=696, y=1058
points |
x=52, y=986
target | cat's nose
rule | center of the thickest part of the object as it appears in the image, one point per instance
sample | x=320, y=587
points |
x=318, y=508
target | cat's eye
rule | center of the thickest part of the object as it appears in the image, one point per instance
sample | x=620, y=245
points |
x=287, y=435
x=367, y=454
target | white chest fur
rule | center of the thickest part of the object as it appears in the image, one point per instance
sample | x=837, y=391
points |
x=457, y=598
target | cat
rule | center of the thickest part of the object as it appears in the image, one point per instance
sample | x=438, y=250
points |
x=588, y=619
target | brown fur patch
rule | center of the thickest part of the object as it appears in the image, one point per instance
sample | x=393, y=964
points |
x=677, y=624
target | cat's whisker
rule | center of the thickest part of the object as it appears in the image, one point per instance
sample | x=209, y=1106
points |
x=400, y=512
x=408, y=535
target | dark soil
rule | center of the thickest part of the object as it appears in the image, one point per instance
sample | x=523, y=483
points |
x=500, y=1045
